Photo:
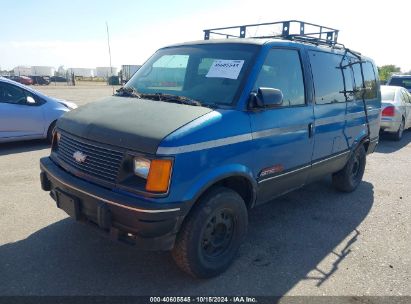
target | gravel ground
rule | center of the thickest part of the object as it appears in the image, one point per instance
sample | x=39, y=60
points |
x=314, y=241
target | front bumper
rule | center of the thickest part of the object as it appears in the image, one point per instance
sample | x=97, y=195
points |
x=150, y=226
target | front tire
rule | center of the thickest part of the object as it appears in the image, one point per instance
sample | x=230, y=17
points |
x=349, y=177
x=212, y=234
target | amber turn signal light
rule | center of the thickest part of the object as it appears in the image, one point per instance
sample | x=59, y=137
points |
x=159, y=175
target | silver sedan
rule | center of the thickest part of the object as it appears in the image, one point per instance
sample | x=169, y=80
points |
x=395, y=110
x=26, y=113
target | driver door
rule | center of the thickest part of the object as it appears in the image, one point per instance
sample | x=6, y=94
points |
x=282, y=134
x=18, y=118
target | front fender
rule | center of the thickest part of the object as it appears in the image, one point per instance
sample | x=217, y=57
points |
x=215, y=175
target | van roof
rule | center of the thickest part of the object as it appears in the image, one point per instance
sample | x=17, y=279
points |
x=264, y=41
x=225, y=41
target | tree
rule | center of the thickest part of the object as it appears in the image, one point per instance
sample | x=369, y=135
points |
x=386, y=71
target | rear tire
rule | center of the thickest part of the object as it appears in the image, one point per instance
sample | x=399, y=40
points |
x=212, y=234
x=50, y=131
x=398, y=135
x=349, y=177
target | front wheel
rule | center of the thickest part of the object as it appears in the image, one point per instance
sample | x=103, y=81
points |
x=212, y=234
x=349, y=177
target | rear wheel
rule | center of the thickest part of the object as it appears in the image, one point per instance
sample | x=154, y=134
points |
x=349, y=177
x=398, y=135
x=211, y=235
x=50, y=131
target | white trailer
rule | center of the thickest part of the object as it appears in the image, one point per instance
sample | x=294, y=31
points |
x=84, y=72
x=22, y=70
x=106, y=72
x=128, y=71
x=42, y=71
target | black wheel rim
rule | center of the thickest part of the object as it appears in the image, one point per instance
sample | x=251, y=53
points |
x=355, y=167
x=218, y=234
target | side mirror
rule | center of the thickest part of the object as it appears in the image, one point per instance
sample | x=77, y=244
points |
x=30, y=100
x=267, y=98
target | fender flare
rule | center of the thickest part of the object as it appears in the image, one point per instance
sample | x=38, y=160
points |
x=217, y=175
x=361, y=140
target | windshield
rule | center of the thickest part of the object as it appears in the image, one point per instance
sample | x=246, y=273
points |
x=210, y=73
x=401, y=81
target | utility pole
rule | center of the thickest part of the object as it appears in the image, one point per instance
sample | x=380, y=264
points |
x=109, y=53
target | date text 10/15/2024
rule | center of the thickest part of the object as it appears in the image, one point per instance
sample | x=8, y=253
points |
x=199, y=299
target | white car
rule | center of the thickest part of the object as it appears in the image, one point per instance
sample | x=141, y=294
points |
x=395, y=110
x=26, y=113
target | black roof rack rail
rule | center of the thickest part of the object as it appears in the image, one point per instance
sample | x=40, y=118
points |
x=290, y=30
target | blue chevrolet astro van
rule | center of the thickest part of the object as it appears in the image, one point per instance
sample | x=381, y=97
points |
x=207, y=130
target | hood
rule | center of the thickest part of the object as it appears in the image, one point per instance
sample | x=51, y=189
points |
x=135, y=124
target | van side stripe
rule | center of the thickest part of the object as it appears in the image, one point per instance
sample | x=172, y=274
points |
x=256, y=135
x=373, y=111
x=341, y=118
x=229, y=140
x=278, y=131
x=204, y=145
x=355, y=115
x=329, y=120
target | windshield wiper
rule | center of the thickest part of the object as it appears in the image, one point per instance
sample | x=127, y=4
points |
x=127, y=92
x=172, y=98
x=131, y=92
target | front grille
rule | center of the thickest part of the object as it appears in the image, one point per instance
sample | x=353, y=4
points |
x=101, y=163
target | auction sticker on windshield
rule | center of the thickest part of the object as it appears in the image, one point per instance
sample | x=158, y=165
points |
x=225, y=69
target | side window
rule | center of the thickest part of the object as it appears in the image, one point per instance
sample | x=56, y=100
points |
x=404, y=96
x=282, y=70
x=11, y=94
x=330, y=72
x=369, y=79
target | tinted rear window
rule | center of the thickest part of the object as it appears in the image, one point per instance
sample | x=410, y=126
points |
x=329, y=78
x=404, y=82
x=369, y=79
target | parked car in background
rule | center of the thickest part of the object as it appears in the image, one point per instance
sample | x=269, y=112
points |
x=401, y=81
x=26, y=113
x=396, y=110
x=40, y=80
x=22, y=79
x=58, y=79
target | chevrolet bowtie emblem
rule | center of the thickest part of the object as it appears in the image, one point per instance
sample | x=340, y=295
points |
x=79, y=157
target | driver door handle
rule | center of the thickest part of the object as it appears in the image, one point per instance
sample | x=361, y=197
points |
x=310, y=129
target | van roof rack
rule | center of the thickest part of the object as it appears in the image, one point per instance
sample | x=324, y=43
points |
x=289, y=30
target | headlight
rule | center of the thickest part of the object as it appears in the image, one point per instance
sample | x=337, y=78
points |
x=141, y=167
x=157, y=172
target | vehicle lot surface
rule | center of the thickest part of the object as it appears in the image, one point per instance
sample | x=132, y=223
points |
x=314, y=241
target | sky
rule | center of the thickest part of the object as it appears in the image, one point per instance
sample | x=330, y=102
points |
x=73, y=33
